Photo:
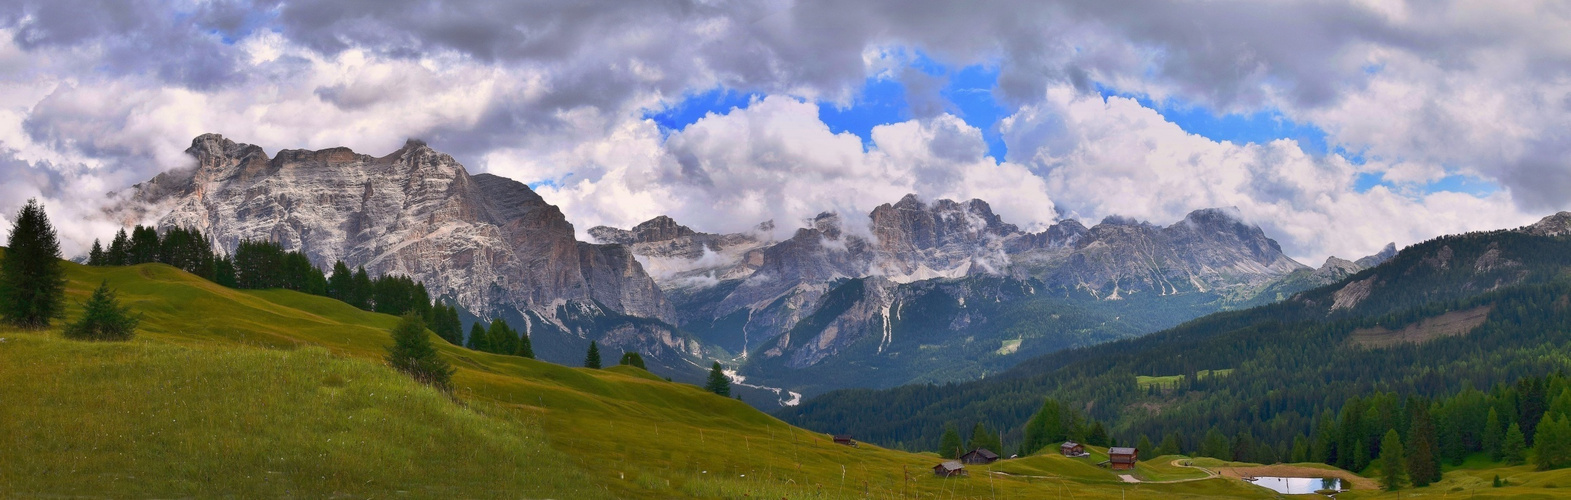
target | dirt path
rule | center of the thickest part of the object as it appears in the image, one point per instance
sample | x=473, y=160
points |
x=1358, y=482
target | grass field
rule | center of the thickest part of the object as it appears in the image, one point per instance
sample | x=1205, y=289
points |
x=1145, y=381
x=276, y=393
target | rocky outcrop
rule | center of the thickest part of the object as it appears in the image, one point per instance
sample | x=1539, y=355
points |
x=489, y=243
x=1555, y=225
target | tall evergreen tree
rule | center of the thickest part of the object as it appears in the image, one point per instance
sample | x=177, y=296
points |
x=501, y=338
x=632, y=358
x=718, y=383
x=95, y=257
x=103, y=318
x=477, y=338
x=592, y=360
x=527, y=349
x=1514, y=449
x=413, y=354
x=1423, y=460
x=119, y=250
x=144, y=246
x=949, y=444
x=32, y=280
x=1493, y=436
x=1097, y=435
x=982, y=437
x=1045, y=428
x=1169, y=445
x=1552, y=446
x=1391, y=461
x=224, y=272
x=1215, y=445
x=341, y=283
x=360, y=293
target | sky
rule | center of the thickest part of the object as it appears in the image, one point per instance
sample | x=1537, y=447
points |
x=1335, y=126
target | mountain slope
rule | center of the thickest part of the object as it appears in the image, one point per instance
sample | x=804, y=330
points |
x=944, y=291
x=1479, y=309
x=487, y=243
x=277, y=393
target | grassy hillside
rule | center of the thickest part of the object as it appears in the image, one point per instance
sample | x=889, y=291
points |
x=277, y=393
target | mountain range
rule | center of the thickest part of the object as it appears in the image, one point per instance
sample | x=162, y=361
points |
x=912, y=291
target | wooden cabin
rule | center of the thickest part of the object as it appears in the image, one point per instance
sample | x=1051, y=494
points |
x=845, y=439
x=950, y=468
x=979, y=456
x=1072, y=449
x=1122, y=458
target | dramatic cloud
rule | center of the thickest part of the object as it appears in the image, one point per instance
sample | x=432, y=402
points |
x=95, y=96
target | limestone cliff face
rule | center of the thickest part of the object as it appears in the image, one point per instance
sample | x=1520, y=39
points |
x=487, y=242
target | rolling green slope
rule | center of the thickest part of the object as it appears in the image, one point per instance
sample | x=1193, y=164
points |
x=276, y=393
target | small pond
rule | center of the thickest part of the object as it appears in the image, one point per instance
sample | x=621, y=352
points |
x=1297, y=485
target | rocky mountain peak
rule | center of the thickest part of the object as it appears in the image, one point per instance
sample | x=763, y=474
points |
x=489, y=243
x=1555, y=225
x=1378, y=258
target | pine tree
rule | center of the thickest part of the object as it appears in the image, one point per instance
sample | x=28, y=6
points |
x=477, y=340
x=1493, y=436
x=632, y=359
x=1215, y=445
x=718, y=383
x=527, y=349
x=119, y=248
x=1423, y=460
x=341, y=283
x=592, y=360
x=1391, y=461
x=144, y=246
x=32, y=280
x=1514, y=449
x=949, y=444
x=1170, y=445
x=95, y=257
x=413, y=354
x=103, y=318
x=1044, y=429
x=1144, y=446
x=360, y=293
x=1552, y=445
x=981, y=437
x=501, y=338
x=224, y=272
x=1097, y=435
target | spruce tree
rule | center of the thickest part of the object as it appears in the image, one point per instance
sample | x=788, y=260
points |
x=527, y=349
x=1423, y=460
x=631, y=358
x=1170, y=445
x=103, y=318
x=718, y=383
x=95, y=257
x=1097, y=435
x=1045, y=428
x=32, y=280
x=1552, y=445
x=360, y=292
x=1513, y=450
x=341, y=283
x=1144, y=446
x=501, y=338
x=1493, y=435
x=949, y=444
x=983, y=438
x=1215, y=445
x=413, y=354
x=119, y=250
x=1391, y=461
x=477, y=340
x=592, y=360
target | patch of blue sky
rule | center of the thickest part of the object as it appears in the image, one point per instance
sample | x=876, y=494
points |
x=1258, y=128
x=1456, y=183
x=968, y=94
x=718, y=100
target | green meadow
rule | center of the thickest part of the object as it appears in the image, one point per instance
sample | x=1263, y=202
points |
x=280, y=394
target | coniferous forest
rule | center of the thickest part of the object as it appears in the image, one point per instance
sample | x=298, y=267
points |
x=1306, y=379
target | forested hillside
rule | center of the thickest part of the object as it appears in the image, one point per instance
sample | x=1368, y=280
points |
x=1467, y=311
